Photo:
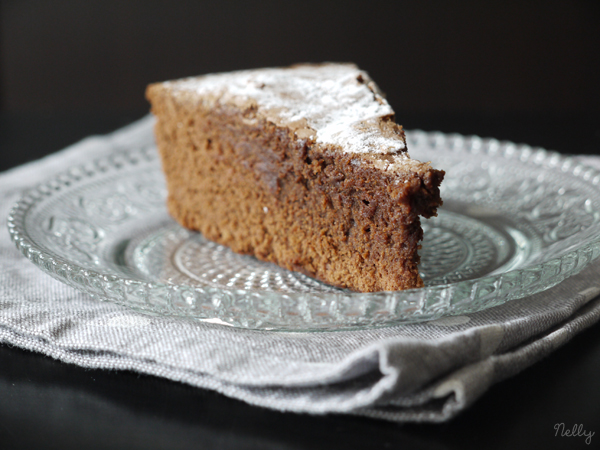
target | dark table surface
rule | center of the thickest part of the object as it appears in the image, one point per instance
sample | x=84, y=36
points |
x=48, y=404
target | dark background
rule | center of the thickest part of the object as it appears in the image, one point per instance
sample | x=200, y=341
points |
x=516, y=70
x=429, y=56
x=526, y=71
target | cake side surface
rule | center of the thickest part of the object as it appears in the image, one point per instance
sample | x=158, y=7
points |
x=350, y=219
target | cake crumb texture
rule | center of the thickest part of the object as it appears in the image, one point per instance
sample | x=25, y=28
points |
x=261, y=181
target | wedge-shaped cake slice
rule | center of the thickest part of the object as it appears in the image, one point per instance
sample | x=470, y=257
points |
x=302, y=166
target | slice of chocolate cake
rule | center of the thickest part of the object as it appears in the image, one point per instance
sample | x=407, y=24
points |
x=301, y=166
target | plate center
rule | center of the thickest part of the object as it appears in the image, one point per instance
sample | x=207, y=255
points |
x=462, y=246
x=456, y=247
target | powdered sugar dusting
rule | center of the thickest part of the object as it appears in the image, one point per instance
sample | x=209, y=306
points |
x=332, y=103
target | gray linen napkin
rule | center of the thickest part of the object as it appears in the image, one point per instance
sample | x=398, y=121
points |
x=419, y=372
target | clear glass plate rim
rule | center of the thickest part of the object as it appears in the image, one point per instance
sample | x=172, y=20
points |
x=451, y=141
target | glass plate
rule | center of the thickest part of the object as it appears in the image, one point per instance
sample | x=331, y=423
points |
x=515, y=221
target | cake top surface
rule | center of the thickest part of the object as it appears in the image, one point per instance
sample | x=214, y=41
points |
x=331, y=103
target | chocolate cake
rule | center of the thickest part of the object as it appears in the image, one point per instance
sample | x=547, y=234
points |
x=302, y=166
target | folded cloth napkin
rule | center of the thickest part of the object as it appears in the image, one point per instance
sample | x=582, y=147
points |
x=418, y=372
